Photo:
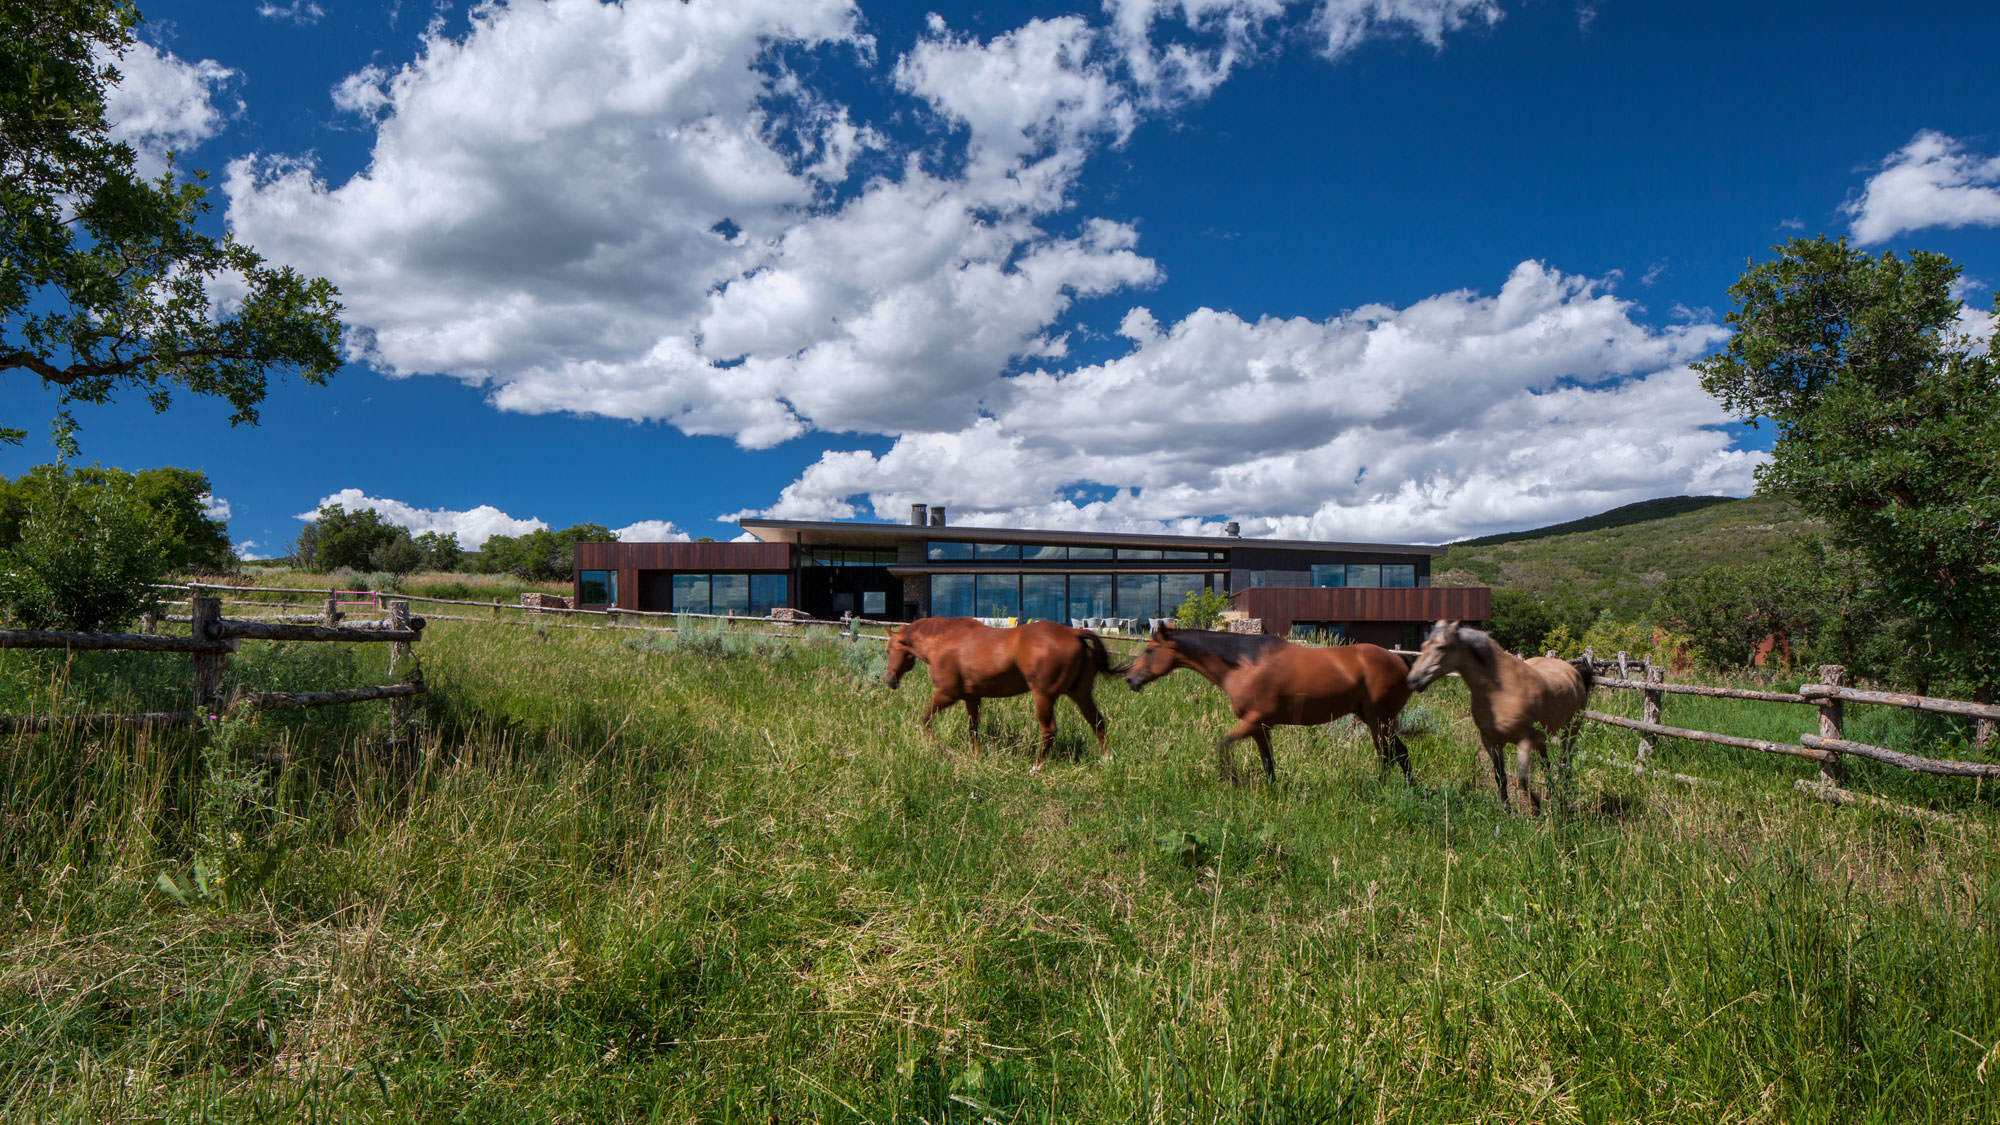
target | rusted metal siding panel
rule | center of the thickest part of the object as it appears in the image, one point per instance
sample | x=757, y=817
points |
x=1279, y=607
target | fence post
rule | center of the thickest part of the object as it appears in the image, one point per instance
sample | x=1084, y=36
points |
x=1624, y=672
x=853, y=629
x=331, y=611
x=149, y=622
x=205, y=615
x=1651, y=712
x=1829, y=721
x=496, y=609
x=399, y=655
x=611, y=616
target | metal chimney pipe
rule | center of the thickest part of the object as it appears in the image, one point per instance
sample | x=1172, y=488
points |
x=937, y=515
x=1232, y=528
x=916, y=515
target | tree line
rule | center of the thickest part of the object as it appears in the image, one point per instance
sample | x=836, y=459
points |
x=361, y=540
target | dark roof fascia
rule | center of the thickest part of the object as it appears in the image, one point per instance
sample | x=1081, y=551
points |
x=794, y=531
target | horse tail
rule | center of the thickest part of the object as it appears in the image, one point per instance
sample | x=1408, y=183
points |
x=1585, y=669
x=1098, y=658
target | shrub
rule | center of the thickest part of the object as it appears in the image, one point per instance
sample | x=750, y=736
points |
x=1201, y=609
x=87, y=557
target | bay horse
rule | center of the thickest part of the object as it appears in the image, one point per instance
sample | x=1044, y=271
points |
x=970, y=661
x=1272, y=682
x=1513, y=700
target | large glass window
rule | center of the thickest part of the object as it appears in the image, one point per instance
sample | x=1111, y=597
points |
x=730, y=594
x=1174, y=589
x=1329, y=574
x=1089, y=595
x=691, y=593
x=1090, y=552
x=767, y=592
x=1203, y=555
x=1138, y=552
x=1043, y=597
x=1044, y=552
x=1252, y=578
x=1364, y=574
x=998, y=595
x=1399, y=574
x=874, y=603
x=996, y=550
x=1219, y=582
x=951, y=595
x=938, y=549
x=597, y=587
x=1138, y=595
x=846, y=556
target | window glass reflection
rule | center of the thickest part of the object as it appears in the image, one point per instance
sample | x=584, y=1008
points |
x=998, y=595
x=1399, y=574
x=691, y=593
x=1364, y=574
x=951, y=595
x=730, y=593
x=1138, y=595
x=1044, y=597
x=1089, y=595
x=1329, y=574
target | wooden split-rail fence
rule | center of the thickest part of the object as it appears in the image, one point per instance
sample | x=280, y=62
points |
x=1828, y=747
x=210, y=640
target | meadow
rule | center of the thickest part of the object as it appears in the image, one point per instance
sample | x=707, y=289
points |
x=707, y=877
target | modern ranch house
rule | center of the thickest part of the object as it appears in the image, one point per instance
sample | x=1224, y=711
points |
x=1376, y=592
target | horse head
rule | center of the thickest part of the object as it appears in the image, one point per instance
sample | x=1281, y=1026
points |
x=1448, y=648
x=1153, y=661
x=901, y=657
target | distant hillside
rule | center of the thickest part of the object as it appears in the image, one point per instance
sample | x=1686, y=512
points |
x=1617, y=517
x=1617, y=563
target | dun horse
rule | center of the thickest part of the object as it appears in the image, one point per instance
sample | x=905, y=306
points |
x=970, y=661
x=1513, y=700
x=1272, y=682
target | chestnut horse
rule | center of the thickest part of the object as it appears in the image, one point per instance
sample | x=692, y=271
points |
x=1272, y=682
x=970, y=661
x=1513, y=700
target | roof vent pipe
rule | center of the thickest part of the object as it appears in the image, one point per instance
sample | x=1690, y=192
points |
x=1232, y=528
x=916, y=515
x=937, y=515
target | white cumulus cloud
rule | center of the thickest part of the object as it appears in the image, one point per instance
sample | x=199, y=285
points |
x=1458, y=414
x=213, y=506
x=651, y=531
x=1931, y=182
x=305, y=13
x=471, y=527
x=162, y=103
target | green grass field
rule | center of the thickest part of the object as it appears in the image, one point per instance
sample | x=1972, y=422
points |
x=620, y=877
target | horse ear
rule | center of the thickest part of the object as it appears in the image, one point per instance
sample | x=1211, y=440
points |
x=1160, y=631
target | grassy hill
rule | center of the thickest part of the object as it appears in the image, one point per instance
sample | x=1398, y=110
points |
x=1616, y=563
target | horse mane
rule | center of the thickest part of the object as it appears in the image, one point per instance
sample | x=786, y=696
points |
x=1480, y=642
x=1231, y=648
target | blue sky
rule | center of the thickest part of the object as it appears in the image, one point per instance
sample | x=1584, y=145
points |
x=1374, y=269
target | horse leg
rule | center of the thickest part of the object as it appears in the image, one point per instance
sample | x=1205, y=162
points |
x=939, y=701
x=972, y=723
x=1523, y=759
x=1225, y=753
x=1263, y=736
x=1045, y=714
x=1088, y=708
x=1389, y=745
x=1499, y=769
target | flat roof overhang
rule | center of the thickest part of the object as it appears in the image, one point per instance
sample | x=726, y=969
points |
x=838, y=533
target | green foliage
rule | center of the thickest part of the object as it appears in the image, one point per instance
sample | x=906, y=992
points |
x=1522, y=618
x=441, y=552
x=340, y=538
x=1617, y=571
x=399, y=556
x=1621, y=516
x=1887, y=418
x=195, y=542
x=539, y=556
x=87, y=553
x=105, y=277
x=1201, y=609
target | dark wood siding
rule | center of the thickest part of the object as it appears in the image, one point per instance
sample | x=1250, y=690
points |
x=1279, y=607
x=683, y=556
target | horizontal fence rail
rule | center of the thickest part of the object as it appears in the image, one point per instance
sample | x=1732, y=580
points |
x=212, y=638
